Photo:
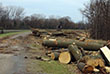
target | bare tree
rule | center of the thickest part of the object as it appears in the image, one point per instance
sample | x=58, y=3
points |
x=98, y=14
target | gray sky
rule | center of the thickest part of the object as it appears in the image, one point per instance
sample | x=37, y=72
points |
x=50, y=7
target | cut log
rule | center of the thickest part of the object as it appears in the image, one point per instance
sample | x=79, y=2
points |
x=96, y=70
x=65, y=57
x=107, y=69
x=60, y=50
x=91, y=46
x=81, y=66
x=48, y=52
x=55, y=55
x=35, y=32
x=58, y=34
x=85, y=68
x=96, y=41
x=86, y=45
x=49, y=55
x=45, y=59
x=72, y=33
x=82, y=51
x=105, y=51
x=84, y=59
x=52, y=39
x=75, y=51
x=96, y=63
x=92, y=40
x=88, y=69
x=38, y=32
x=62, y=44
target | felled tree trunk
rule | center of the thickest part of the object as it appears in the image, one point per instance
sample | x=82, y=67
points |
x=62, y=44
x=86, y=45
x=35, y=32
x=75, y=51
x=58, y=34
x=85, y=68
x=65, y=57
x=60, y=50
x=81, y=66
x=55, y=55
x=96, y=41
x=89, y=64
x=38, y=32
x=89, y=45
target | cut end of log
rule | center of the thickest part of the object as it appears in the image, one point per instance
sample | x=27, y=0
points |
x=52, y=56
x=65, y=57
x=107, y=69
x=96, y=62
x=88, y=69
x=96, y=70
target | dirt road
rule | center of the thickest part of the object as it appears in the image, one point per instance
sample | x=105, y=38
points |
x=10, y=64
x=12, y=55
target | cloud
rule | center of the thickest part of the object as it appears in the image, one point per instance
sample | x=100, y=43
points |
x=20, y=0
x=50, y=7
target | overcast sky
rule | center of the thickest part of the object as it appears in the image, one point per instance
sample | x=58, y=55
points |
x=50, y=7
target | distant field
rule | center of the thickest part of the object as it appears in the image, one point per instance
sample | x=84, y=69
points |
x=12, y=32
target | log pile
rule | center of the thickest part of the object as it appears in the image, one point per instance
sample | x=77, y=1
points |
x=55, y=33
x=91, y=56
x=77, y=51
x=38, y=32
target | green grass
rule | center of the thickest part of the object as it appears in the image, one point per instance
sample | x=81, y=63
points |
x=54, y=67
x=48, y=67
x=12, y=33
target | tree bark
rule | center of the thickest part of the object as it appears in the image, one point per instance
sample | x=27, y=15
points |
x=55, y=55
x=58, y=34
x=75, y=52
x=96, y=41
x=64, y=44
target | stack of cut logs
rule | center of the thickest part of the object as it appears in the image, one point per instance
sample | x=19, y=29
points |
x=76, y=51
x=39, y=33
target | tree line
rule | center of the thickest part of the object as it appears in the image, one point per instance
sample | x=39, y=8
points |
x=98, y=14
x=12, y=17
